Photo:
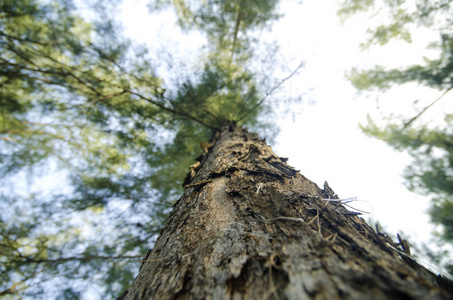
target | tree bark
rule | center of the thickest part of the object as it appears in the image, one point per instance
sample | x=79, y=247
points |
x=249, y=226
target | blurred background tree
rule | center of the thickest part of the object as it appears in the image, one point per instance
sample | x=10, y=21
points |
x=429, y=142
x=81, y=101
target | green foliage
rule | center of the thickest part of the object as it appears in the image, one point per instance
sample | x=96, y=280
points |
x=226, y=23
x=399, y=17
x=77, y=99
x=436, y=73
x=441, y=213
x=350, y=7
x=395, y=11
x=431, y=147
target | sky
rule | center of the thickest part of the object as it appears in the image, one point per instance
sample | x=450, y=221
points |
x=323, y=140
x=326, y=143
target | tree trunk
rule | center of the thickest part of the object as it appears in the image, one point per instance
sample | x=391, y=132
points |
x=249, y=226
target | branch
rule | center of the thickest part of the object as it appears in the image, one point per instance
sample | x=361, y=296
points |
x=302, y=64
x=236, y=28
x=68, y=72
x=27, y=40
x=170, y=110
x=440, y=6
x=77, y=258
x=426, y=108
x=13, y=288
x=179, y=112
x=71, y=71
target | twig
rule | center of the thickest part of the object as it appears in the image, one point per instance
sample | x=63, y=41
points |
x=319, y=225
x=314, y=218
x=426, y=108
x=271, y=91
x=284, y=218
x=259, y=187
x=318, y=222
x=333, y=236
x=348, y=200
x=76, y=258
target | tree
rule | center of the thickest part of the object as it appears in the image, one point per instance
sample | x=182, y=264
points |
x=430, y=146
x=249, y=226
x=77, y=96
x=58, y=94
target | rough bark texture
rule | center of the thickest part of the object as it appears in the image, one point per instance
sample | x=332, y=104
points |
x=249, y=226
